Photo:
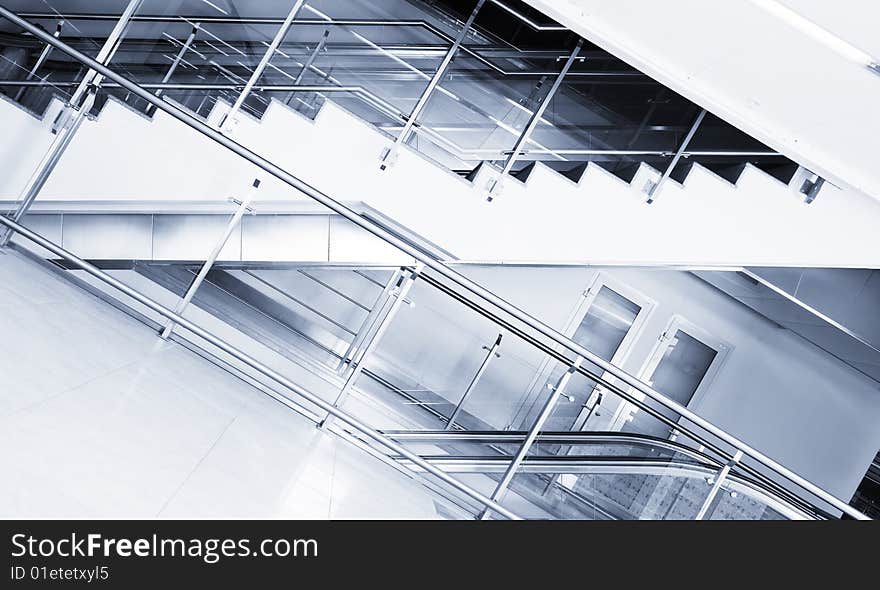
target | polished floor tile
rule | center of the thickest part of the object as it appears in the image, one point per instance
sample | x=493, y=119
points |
x=100, y=418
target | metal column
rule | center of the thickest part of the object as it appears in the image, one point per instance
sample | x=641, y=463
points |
x=389, y=154
x=654, y=187
x=400, y=291
x=258, y=71
x=70, y=119
x=493, y=352
x=526, y=134
x=558, y=390
x=42, y=58
x=212, y=257
x=716, y=485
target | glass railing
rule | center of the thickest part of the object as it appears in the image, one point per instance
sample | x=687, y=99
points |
x=305, y=322
x=380, y=66
x=400, y=348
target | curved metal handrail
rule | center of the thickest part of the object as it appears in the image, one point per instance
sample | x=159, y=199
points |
x=442, y=269
x=576, y=438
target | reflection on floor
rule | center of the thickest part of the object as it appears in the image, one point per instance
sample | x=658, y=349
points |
x=100, y=418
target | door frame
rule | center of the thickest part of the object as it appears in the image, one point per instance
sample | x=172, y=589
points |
x=577, y=315
x=677, y=322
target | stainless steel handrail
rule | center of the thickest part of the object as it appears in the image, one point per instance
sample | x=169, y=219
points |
x=256, y=365
x=300, y=21
x=433, y=264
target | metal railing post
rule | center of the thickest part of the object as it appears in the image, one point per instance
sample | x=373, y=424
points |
x=319, y=47
x=374, y=318
x=71, y=117
x=477, y=298
x=212, y=257
x=653, y=188
x=398, y=294
x=389, y=154
x=496, y=184
x=556, y=391
x=108, y=50
x=43, y=56
x=258, y=71
x=493, y=352
x=716, y=485
x=176, y=62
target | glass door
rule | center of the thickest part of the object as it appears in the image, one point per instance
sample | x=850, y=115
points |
x=682, y=366
x=611, y=321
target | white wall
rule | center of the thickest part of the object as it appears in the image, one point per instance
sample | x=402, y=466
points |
x=776, y=391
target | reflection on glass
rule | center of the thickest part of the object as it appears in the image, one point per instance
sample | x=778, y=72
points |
x=685, y=363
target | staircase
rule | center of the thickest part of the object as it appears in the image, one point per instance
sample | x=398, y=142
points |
x=800, y=76
x=431, y=215
x=743, y=216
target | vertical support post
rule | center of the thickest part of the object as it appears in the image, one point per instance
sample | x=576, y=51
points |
x=557, y=391
x=93, y=78
x=654, y=187
x=258, y=71
x=177, y=59
x=716, y=485
x=370, y=322
x=70, y=119
x=389, y=154
x=493, y=352
x=42, y=58
x=212, y=257
x=319, y=47
x=495, y=185
x=313, y=56
x=400, y=291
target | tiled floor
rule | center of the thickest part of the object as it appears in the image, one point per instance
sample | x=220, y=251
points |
x=100, y=418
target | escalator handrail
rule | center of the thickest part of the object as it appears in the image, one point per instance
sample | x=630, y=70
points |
x=597, y=437
x=576, y=464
